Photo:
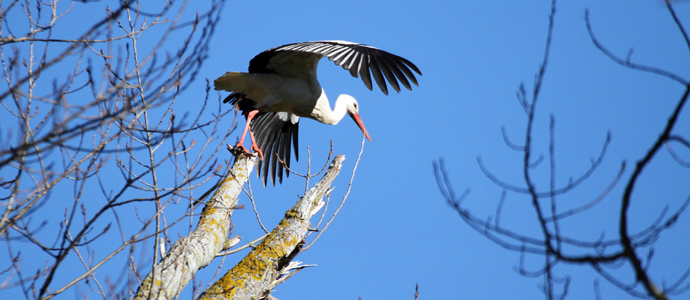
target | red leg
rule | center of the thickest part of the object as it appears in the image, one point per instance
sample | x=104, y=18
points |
x=255, y=147
x=240, y=144
x=250, y=116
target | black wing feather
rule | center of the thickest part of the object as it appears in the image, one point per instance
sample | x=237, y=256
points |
x=354, y=65
x=376, y=72
x=402, y=67
x=399, y=74
x=264, y=165
x=364, y=72
x=294, y=132
x=385, y=68
x=273, y=137
x=284, y=144
x=361, y=60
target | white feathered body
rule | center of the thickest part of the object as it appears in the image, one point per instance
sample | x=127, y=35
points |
x=279, y=93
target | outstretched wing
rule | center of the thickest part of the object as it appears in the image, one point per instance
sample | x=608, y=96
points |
x=274, y=132
x=300, y=60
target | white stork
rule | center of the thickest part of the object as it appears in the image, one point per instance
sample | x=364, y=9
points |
x=282, y=86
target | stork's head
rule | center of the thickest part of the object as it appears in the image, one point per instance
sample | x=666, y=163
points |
x=353, y=110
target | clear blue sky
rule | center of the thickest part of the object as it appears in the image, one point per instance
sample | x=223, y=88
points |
x=395, y=229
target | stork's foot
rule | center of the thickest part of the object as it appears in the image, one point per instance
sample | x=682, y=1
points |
x=257, y=150
x=240, y=148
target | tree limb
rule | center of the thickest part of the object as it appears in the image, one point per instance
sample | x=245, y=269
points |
x=261, y=270
x=197, y=250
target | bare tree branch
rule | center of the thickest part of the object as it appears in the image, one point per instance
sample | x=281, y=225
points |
x=262, y=269
x=197, y=250
x=600, y=254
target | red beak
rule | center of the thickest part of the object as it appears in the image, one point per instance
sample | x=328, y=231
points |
x=358, y=120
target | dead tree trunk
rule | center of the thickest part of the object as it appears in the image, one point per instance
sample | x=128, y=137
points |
x=266, y=266
x=191, y=253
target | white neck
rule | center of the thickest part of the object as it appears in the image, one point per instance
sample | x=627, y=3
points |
x=323, y=113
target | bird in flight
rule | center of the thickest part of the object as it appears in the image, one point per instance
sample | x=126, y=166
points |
x=281, y=86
